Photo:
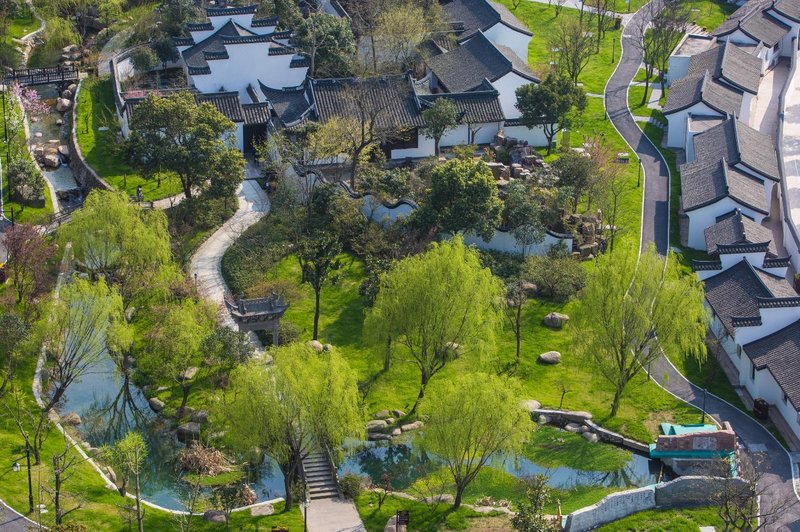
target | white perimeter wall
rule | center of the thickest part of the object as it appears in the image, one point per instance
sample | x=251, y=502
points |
x=507, y=86
x=534, y=136
x=505, y=242
x=706, y=216
x=484, y=134
x=502, y=34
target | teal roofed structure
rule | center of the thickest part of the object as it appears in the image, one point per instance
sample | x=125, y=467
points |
x=671, y=429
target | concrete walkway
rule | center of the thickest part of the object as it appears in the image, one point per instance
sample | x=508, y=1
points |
x=765, y=107
x=655, y=211
x=13, y=521
x=333, y=515
x=206, y=264
x=790, y=146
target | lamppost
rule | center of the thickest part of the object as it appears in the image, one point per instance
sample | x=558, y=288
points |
x=703, y=418
x=306, y=504
x=639, y=176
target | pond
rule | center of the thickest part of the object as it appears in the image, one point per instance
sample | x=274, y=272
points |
x=406, y=462
x=61, y=178
x=110, y=406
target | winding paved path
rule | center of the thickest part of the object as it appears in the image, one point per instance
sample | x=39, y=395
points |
x=13, y=521
x=655, y=210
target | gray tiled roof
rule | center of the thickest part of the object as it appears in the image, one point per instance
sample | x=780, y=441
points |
x=780, y=354
x=730, y=63
x=734, y=228
x=474, y=107
x=479, y=15
x=256, y=113
x=789, y=8
x=226, y=103
x=195, y=57
x=392, y=96
x=690, y=90
x=739, y=144
x=704, y=183
x=465, y=67
x=229, y=11
x=735, y=292
x=289, y=104
x=753, y=8
x=765, y=28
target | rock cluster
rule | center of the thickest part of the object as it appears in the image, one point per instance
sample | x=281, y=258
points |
x=384, y=425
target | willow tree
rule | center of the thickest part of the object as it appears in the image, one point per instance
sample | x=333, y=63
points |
x=306, y=401
x=128, y=245
x=438, y=306
x=631, y=310
x=470, y=420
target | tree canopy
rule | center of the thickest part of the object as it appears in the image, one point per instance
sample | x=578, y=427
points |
x=469, y=420
x=550, y=104
x=463, y=197
x=632, y=309
x=437, y=305
x=329, y=43
x=439, y=118
x=305, y=402
x=193, y=140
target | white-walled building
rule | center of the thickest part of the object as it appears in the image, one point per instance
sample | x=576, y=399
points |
x=494, y=20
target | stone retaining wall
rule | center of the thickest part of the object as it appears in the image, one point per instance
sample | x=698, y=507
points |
x=562, y=417
x=679, y=493
x=84, y=174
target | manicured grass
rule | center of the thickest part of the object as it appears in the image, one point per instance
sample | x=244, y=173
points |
x=672, y=520
x=341, y=323
x=710, y=13
x=100, y=509
x=635, y=95
x=100, y=148
x=22, y=24
x=542, y=21
x=422, y=517
x=550, y=447
x=22, y=213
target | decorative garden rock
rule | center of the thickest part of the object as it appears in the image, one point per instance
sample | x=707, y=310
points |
x=188, y=374
x=262, y=510
x=201, y=416
x=214, y=516
x=550, y=357
x=71, y=419
x=381, y=414
x=392, y=526
x=591, y=437
x=544, y=420
x=444, y=498
x=412, y=426
x=316, y=345
x=376, y=425
x=555, y=320
x=378, y=436
x=531, y=405
x=156, y=404
x=63, y=105
x=572, y=427
x=397, y=432
x=188, y=432
x=398, y=413
x=51, y=160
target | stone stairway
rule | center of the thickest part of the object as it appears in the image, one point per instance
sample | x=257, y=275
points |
x=321, y=481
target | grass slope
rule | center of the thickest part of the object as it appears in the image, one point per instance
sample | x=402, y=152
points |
x=96, y=110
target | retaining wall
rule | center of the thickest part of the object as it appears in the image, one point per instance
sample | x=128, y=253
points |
x=84, y=174
x=679, y=493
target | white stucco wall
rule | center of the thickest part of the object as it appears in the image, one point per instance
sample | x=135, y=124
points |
x=704, y=217
x=502, y=34
x=425, y=148
x=676, y=123
x=241, y=69
x=505, y=242
x=507, y=86
x=744, y=113
x=483, y=133
x=772, y=320
x=678, y=67
x=535, y=136
x=242, y=20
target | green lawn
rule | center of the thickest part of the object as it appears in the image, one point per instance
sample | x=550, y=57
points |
x=422, y=517
x=710, y=13
x=22, y=25
x=22, y=213
x=96, y=110
x=671, y=520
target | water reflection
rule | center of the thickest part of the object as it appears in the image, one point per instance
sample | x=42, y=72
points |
x=405, y=462
x=110, y=406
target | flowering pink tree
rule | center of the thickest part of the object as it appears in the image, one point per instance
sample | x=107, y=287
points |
x=32, y=103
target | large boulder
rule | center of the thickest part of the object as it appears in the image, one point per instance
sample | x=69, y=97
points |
x=381, y=414
x=555, y=320
x=316, y=345
x=156, y=404
x=201, y=416
x=550, y=357
x=66, y=94
x=63, y=105
x=51, y=160
x=572, y=427
x=412, y=426
x=188, y=432
x=262, y=510
x=591, y=437
x=214, y=516
x=376, y=425
x=71, y=419
x=63, y=150
x=531, y=405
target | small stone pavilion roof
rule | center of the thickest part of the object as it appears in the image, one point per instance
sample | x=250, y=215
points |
x=253, y=310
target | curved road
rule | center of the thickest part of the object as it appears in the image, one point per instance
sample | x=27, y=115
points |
x=772, y=460
x=655, y=211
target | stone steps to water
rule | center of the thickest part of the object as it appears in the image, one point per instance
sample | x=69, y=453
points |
x=320, y=478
